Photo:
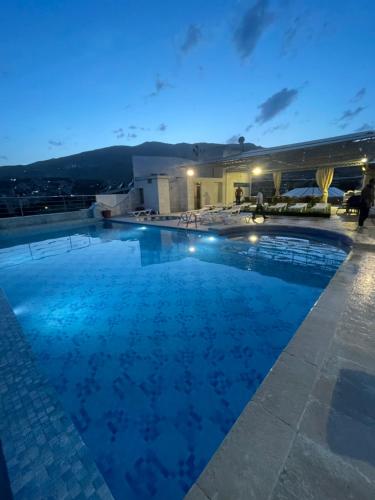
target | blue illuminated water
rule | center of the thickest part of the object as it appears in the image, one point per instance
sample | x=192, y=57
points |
x=156, y=339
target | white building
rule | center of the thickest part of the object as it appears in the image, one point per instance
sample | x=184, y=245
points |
x=168, y=185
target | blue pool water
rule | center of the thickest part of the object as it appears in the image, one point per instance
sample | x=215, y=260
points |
x=155, y=340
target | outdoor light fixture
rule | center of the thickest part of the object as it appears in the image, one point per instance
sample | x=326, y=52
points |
x=253, y=238
x=190, y=172
x=364, y=160
x=192, y=249
x=257, y=171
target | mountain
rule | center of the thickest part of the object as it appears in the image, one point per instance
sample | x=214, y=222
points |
x=113, y=165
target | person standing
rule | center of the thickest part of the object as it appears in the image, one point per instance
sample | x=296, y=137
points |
x=238, y=194
x=259, y=206
x=366, y=202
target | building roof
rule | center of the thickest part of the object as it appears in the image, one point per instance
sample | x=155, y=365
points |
x=341, y=151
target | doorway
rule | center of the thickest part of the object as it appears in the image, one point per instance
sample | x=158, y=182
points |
x=197, y=196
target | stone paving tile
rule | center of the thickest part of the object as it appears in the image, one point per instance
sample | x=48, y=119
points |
x=350, y=439
x=196, y=493
x=46, y=457
x=286, y=388
x=235, y=471
x=312, y=473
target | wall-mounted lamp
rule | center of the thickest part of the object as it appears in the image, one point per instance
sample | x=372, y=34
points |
x=190, y=172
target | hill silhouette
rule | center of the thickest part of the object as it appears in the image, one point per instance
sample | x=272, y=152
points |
x=114, y=164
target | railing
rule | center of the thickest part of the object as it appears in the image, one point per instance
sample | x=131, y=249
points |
x=35, y=205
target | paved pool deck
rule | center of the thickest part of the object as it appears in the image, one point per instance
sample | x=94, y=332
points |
x=309, y=431
x=342, y=224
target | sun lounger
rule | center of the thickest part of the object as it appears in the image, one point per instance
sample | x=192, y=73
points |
x=277, y=208
x=210, y=216
x=231, y=215
x=298, y=207
x=320, y=207
x=140, y=213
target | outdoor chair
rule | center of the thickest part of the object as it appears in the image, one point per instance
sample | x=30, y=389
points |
x=298, y=207
x=141, y=213
x=278, y=207
x=320, y=208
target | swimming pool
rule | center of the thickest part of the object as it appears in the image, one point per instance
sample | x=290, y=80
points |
x=156, y=339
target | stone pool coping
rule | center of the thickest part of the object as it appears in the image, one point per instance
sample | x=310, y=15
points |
x=293, y=440
x=44, y=453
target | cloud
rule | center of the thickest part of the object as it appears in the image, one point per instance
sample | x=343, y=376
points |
x=290, y=35
x=55, y=143
x=248, y=128
x=162, y=127
x=192, y=38
x=349, y=114
x=275, y=104
x=359, y=95
x=233, y=139
x=160, y=85
x=3, y=157
x=132, y=136
x=271, y=130
x=119, y=133
x=135, y=127
x=365, y=127
x=251, y=27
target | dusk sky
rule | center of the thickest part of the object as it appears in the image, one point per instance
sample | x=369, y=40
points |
x=79, y=75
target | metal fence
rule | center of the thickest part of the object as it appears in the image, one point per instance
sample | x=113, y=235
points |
x=35, y=205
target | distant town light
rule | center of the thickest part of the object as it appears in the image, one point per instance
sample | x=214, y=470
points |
x=190, y=172
x=253, y=238
x=257, y=171
x=192, y=249
x=46, y=208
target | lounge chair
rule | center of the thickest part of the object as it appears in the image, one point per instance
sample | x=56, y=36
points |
x=277, y=208
x=140, y=213
x=298, y=207
x=321, y=207
x=230, y=215
x=210, y=216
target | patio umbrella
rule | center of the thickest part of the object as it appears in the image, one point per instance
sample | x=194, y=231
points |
x=313, y=191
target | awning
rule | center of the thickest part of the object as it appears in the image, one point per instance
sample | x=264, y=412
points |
x=342, y=151
x=313, y=191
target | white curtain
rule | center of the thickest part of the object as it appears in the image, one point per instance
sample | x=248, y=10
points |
x=277, y=182
x=324, y=176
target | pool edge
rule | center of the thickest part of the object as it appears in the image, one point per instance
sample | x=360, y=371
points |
x=251, y=458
